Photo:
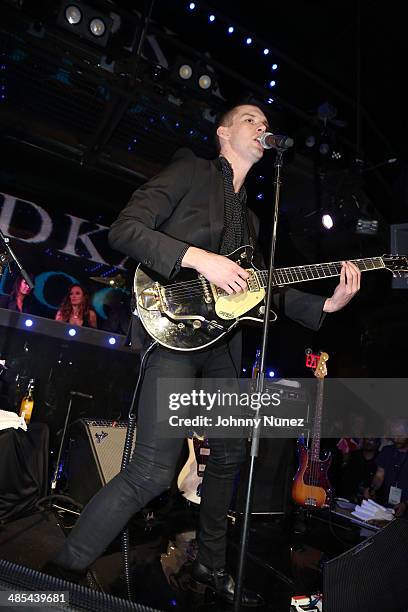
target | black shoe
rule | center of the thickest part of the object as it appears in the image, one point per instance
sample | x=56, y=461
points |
x=85, y=578
x=223, y=584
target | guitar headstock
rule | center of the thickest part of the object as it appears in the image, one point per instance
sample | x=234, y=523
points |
x=397, y=264
x=321, y=369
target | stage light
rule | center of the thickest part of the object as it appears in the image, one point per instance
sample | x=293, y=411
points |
x=73, y=14
x=266, y=51
x=327, y=221
x=324, y=148
x=272, y=83
x=211, y=18
x=244, y=370
x=205, y=81
x=367, y=227
x=260, y=196
x=230, y=30
x=86, y=21
x=185, y=72
x=249, y=41
x=336, y=155
x=270, y=100
x=192, y=6
x=274, y=66
x=28, y=322
x=271, y=373
x=72, y=332
x=112, y=340
x=97, y=27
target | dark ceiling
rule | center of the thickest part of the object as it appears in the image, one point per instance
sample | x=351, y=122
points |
x=119, y=111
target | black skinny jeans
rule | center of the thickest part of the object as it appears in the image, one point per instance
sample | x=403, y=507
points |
x=151, y=469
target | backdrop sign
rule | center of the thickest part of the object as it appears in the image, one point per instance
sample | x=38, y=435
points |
x=58, y=249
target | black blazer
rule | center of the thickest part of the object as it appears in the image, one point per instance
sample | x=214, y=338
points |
x=184, y=205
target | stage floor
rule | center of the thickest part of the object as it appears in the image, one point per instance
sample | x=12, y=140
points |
x=284, y=558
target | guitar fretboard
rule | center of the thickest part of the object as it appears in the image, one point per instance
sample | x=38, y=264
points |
x=298, y=274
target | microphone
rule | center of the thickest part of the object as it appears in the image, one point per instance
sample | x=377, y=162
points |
x=275, y=141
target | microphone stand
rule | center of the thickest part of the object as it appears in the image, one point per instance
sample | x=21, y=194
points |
x=6, y=243
x=259, y=388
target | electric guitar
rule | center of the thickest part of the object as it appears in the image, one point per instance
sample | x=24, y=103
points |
x=311, y=486
x=190, y=313
x=190, y=479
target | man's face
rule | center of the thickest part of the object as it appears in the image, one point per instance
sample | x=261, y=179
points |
x=248, y=123
x=400, y=442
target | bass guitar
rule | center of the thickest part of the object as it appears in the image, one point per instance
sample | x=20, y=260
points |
x=311, y=486
x=190, y=313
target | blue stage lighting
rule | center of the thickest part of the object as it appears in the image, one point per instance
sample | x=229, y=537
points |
x=230, y=30
x=112, y=340
x=28, y=322
x=72, y=332
x=249, y=41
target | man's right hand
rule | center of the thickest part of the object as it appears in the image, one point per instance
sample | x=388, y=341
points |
x=217, y=269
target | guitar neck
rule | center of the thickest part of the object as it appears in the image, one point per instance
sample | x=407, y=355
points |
x=299, y=274
x=315, y=445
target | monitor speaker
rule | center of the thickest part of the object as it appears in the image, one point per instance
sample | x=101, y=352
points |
x=94, y=456
x=370, y=576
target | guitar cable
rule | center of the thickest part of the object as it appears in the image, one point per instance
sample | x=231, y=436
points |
x=127, y=452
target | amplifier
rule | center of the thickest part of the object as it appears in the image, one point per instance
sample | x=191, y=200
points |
x=94, y=456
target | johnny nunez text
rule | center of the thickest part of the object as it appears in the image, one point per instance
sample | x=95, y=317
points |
x=231, y=421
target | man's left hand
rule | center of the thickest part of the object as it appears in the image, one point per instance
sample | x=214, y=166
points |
x=346, y=289
x=400, y=509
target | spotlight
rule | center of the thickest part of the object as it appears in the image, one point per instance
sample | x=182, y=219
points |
x=191, y=6
x=185, y=72
x=112, y=340
x=270, y=100
x=97, y=27
x=205, y=81
x=271, y=374
x=272, y=83
x=28, y=322
x=230, y=30
x=336, y=155
x=73, y=14
x=72, y=332
x=266, y=51
x=249, y=41
x=85, y=21
x=211, y=18
x=274, y=66
x=327, y=221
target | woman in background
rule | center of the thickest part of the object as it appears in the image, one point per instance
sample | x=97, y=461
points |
x=75, y=308
x=17, y=300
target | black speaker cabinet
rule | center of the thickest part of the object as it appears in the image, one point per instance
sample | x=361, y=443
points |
x=372, y=575
x=275, y=468
x=94, y=456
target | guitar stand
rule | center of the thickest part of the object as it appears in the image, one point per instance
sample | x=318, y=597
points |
x=259, y=388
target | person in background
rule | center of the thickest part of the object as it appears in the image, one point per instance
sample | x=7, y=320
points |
x=358, y=471
x=390, y=483
x=75, y=308
x=17, y=300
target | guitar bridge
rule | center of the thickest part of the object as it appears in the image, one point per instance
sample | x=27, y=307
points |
x=153, y=298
